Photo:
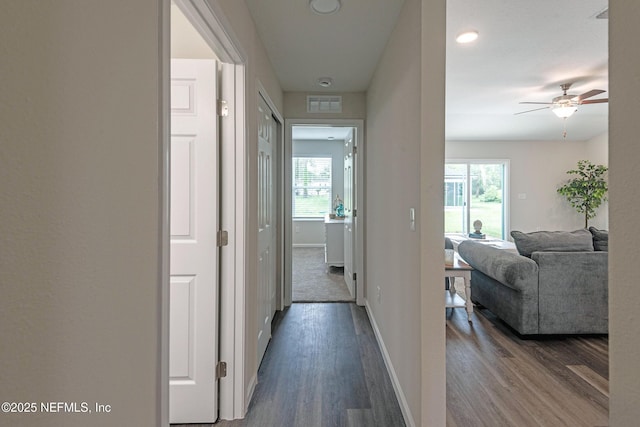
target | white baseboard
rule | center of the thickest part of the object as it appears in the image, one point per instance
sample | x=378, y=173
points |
x=402, y=400
x=250, y=390
x=308, y=245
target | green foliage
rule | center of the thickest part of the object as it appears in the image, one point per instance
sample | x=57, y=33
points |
x=492, y=194
x=587, y=190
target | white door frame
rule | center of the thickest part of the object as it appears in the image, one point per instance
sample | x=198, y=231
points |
x=360, y=197
x=208, y=19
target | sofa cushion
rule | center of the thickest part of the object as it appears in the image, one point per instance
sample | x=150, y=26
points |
x=553, y=241
x=600, y=239
x=509, y=268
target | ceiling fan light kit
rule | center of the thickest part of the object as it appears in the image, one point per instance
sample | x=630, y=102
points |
x=324, y=7
x=565, y=105
x=564, y=110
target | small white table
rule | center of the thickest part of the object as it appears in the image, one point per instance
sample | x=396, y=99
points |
x=333, y=242
x=459, y=268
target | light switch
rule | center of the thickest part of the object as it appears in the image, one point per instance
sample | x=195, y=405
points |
x=412, y=219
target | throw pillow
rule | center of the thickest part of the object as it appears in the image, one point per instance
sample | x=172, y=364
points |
x=553, y=241
x=600, y=239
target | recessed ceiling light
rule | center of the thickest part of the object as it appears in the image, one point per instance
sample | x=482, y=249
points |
x=467, y=37
x=324, y=7
x=325, y=81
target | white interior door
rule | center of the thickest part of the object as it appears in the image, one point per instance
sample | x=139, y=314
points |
x=348, y=201
x=194, y=254
x=266, y=231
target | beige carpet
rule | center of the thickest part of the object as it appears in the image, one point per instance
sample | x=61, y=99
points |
x=311, y=280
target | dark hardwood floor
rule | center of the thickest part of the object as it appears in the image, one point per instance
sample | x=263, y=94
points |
x=495, y=378
x=323, y=367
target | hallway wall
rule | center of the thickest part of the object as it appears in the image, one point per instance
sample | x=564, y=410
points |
x=80, y=204
x=624, y=205
x=396, y=172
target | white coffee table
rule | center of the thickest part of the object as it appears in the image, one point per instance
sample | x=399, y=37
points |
x=459, y=268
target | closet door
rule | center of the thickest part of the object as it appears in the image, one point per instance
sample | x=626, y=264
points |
x=193, y=315
x=266, y=229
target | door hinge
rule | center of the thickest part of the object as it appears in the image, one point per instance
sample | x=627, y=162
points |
x=355, y=276
x=221, y=370
x=223, y=108
x=355, y=213
x=222, y=238
x=355, y=150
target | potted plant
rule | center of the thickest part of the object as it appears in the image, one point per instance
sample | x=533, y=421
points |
x=587, y=189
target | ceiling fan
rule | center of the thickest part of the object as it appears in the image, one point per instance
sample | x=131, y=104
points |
x=565, y=105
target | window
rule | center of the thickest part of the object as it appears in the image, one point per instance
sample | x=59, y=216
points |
x=311, y=187
x=475, y=190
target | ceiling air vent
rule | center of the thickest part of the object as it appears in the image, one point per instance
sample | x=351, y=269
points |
x=324, y=104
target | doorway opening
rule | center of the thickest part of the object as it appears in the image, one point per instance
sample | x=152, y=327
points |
x=317, y=193
x=323, y=255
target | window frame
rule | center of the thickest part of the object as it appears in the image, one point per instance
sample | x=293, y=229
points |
x=467, y=196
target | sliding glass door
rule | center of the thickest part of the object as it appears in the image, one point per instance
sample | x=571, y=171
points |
x=476, y=190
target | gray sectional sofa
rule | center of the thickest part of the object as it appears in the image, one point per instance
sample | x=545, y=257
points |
x=556, y=284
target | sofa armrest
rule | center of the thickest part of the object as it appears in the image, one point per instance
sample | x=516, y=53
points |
x=510, y=269
x=573, y=291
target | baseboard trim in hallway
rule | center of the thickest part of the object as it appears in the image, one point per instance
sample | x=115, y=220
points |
x=402, y=400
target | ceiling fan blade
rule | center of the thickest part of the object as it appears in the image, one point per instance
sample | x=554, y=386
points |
x=595, y=101
x=541, y=103
x=528, y=111
x=589, y=94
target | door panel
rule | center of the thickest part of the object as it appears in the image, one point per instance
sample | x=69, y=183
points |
x=193, y=343
x=348, y=201
x=182, y=299
x=266, y=231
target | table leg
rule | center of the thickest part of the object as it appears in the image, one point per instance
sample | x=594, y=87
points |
x=467, y=294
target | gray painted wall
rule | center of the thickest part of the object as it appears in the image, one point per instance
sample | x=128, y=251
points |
x=536, y=170
x=80, y=209
x=624, y=205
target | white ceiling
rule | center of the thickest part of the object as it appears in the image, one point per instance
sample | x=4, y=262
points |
x=304, y=46
x=525, y=51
